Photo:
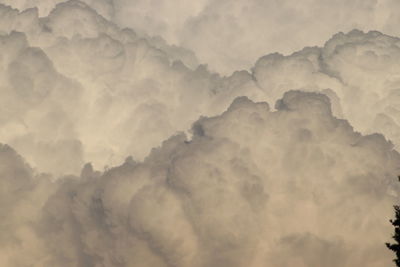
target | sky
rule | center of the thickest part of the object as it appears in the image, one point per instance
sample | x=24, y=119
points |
x=193, y=134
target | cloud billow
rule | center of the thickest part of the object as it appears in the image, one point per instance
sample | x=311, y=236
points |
x=189, y=167
x=253, y=187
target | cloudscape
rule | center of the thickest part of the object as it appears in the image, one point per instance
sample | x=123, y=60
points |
x=209, y=134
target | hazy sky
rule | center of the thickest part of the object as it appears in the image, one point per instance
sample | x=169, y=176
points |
x=118, y=147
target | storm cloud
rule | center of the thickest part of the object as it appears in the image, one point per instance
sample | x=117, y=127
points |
x=120, y=149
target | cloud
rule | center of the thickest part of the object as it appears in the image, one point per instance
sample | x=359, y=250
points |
x=251, y=187
x=104, y=7
x=357, y=70
x=291, y=184
x=74, y=73
x=67, y=71
x=22, y=197
x=231, y=35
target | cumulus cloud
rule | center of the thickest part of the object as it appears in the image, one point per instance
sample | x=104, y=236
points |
x=358, y=71
x=230, y=35
x=252, y=187
x=73, y=73
x=249, y=185
x=67, y=71
x=22, y=197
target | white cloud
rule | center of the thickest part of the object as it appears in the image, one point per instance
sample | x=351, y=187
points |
x=359, y=71
x=286, y=185
x=89, y=76
x=230, y=35
x=252, y=187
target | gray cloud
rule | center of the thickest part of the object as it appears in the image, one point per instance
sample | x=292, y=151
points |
x=230, y=35
x=74, y=73
x=293, y=184
x=253, y=187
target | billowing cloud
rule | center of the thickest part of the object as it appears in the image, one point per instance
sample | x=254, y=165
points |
x=67, y=71
x=252, y=187
x=22, y=197
x=358, y=71
x=250, y=184
x=74, y=73
x=230, y=35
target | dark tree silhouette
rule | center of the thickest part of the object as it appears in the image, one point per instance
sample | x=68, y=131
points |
x=395, y=247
